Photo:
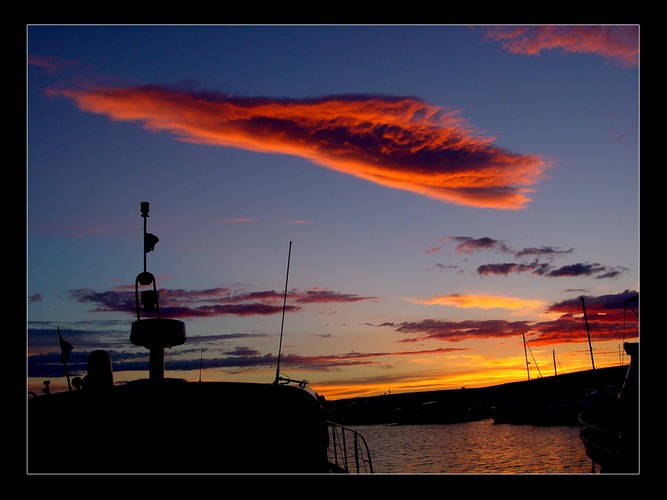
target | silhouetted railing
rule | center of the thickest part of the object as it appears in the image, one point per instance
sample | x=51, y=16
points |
x=348, y=450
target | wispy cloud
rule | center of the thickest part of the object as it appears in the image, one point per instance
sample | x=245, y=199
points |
x=300, y=221
x=178, y=303
x=397, y=142
x=245, y=220
x=617, y=43
x=605, y=313
x=325, y=296
x=458, y=331
x=237, y=357
x=50, y=64
x=237, y=220
x=542, y=269
x=606, y=316
x=469, y=245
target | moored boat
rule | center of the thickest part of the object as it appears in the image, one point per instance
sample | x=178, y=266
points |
x=175, y=426
x=167, y=425
x=610, y=430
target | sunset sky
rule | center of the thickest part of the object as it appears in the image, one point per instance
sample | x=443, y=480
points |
x=446, y=189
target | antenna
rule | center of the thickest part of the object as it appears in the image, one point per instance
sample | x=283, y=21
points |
x=282, y=323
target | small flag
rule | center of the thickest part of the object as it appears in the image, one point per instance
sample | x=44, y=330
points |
x=149, y=242
x=65, y=348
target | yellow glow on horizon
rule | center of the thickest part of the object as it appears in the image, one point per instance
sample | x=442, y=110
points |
x=499, y=372
x=481, y=302
x=472, y=370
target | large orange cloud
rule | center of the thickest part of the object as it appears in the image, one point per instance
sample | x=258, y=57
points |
x=398, y=142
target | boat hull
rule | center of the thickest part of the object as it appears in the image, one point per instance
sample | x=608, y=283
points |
x=611, y=440
x=610, y=431
x=180, y=427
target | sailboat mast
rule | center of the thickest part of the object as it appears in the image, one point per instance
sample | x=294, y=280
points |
x=525, y=353
x=201, y=359
x=588, y=332
x=553, y=353
x=282, y=323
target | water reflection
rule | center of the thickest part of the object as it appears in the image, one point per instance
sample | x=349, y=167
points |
x=480, y=447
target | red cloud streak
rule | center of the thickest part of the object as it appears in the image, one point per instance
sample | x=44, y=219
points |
x=620, y=43
x=608, y=318
x=398, y=142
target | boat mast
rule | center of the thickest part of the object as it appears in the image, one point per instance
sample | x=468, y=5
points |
x=554, y=358
x=282, y=323
x=588, y=331
x=627, y=306
x=157, y=333
x=525, y=353
x=201, y=359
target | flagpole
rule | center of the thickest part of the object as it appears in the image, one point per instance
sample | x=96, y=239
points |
x=65, y=349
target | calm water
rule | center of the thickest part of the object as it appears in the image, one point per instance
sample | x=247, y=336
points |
x=480, y=447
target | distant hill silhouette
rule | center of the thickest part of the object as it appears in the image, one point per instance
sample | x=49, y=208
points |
x=554, y=400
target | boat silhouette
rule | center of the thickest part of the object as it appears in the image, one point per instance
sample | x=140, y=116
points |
x=166, y=425
x=609, y=430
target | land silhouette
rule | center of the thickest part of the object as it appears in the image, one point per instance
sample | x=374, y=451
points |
x=554, y=400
